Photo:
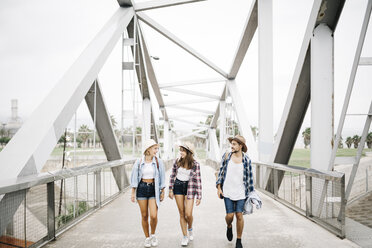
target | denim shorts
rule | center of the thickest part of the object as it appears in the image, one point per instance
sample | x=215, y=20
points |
x=145, y=191
x=180, y=187
x=234, y=206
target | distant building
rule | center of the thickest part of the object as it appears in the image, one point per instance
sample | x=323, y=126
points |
x=15, y=121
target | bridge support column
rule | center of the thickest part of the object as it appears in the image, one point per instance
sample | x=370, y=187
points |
x=265, y=79
x=321, y=97
x=222, y=126
x=146, y=121
x=166, y=140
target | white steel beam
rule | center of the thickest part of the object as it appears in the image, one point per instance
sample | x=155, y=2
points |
x=192, y=123
x=166, y=140
x=155, y=4
x=365, y=61
x=243, y=121
x=298, y=98
x=169, y=35
x=193, y=109
x=222, y=124
x=217, y=112
x=36, y=139
x=105, y=131
x=354, y=68
x=172, y=104
x=214, y=152
x=151, y=73
x=146, y=121
x=183, y=83
x=187, y=115
x=194, y=93
x=321, y=97
x=245, y=40
x=193, y=133
x=265, y=78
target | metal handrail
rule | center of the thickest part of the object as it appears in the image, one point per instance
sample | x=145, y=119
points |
x=15, y=184
x=334, y=223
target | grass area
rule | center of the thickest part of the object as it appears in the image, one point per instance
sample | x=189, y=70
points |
x=301, y=157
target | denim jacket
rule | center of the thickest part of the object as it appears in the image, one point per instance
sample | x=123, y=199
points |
x=247, y=176
x=159, y=176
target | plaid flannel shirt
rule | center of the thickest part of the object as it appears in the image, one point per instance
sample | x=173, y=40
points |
x=194, y=187
x=247, y=175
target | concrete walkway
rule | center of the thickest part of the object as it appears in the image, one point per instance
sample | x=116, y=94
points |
x=118, y=225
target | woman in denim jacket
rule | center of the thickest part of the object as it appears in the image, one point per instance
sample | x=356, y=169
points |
x=185, y=185
x=148, y=184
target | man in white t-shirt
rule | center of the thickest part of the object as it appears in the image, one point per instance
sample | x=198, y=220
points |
x=235, y=181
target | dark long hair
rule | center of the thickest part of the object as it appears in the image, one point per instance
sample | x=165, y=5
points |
x=188, y=161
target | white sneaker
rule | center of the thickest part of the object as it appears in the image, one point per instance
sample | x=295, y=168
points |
x=191, y=237
x=154, y=240
x=185, y=241
x=148, y=242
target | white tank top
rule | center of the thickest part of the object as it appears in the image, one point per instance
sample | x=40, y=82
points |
x=183, y=174
x=233, y=187
x=148, y=171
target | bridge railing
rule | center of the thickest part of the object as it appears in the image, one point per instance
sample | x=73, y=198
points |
x=318, y=195
x=54, y=201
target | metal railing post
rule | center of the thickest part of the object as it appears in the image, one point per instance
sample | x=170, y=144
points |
x=309, y=197
x=341, y=216
x=258, y=176
x=51, y=211
x=275, y=175
x=98, y=188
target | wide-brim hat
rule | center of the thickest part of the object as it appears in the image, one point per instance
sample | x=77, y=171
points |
x=241, y=140
x=149, y=143
x=188, y=146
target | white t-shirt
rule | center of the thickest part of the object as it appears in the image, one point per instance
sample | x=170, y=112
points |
x=148, y=171
x=183, y=174
x=233, y=186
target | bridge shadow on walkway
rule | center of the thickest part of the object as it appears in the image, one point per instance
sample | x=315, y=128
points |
x=118, y=225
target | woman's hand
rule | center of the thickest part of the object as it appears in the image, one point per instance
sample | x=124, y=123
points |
x=162, y=195
x=171, y=194
x=133, y=195
x=198, y=202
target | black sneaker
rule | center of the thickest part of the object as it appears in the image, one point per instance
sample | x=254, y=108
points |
x=229, y=233
x=238, y=243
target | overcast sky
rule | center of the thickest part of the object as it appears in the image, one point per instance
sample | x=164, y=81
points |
x=40, y=39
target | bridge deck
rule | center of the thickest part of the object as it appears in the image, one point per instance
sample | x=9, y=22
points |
x=118, y=225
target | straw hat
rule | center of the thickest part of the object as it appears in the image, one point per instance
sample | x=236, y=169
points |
x=188, y=146
x=148, y=143
x=240, y=139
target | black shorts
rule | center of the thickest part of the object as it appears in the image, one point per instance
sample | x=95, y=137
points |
x=145, y=191
x=180, y=187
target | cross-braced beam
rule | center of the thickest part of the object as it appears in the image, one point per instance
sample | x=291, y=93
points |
x=152, y=23
x=155, y=4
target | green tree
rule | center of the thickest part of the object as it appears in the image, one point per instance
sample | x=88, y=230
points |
x=349, y=142
x=356, y=140
x=307, y=136
x=84, y=133
x=113, y=121
x=369, y=140
x=340, y=144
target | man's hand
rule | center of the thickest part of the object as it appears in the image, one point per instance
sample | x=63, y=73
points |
x=219, y=192
x=197, y=202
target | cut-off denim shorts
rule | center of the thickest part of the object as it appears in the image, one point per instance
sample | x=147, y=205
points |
x=234, y=206
x=180, y=187
x=145, y=191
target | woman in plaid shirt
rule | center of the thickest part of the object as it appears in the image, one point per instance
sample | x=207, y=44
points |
x=184, y=186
